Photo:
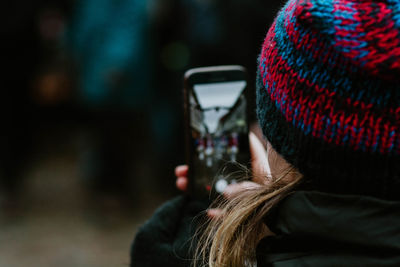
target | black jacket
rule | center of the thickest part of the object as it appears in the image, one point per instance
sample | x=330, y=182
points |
x=167, y=238
x=312, y=229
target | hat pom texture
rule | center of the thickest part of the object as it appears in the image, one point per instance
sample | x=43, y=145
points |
x=328, y=95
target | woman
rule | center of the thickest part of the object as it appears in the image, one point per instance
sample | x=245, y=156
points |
x=328, y=103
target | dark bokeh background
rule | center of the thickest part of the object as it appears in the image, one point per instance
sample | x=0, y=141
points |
x=91, y=115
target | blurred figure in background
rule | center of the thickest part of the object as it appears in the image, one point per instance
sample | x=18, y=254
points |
x=111, y=49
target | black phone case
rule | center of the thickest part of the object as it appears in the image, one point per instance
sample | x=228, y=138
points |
x=201, y=76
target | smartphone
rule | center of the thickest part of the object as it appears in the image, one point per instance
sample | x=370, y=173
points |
x=216, y=126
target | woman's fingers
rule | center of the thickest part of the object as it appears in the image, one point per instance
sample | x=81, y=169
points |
x=181, y=173
x=214, y=213
x=181, y=170
x=182, y=183
x=234, y=189
x=230, y=191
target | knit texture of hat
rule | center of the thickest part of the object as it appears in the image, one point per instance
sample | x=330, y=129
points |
x=328, y=93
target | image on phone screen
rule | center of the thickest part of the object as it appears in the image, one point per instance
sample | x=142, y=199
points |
x=219, y=133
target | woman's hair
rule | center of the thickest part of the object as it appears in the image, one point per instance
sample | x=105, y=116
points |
x=232, y=237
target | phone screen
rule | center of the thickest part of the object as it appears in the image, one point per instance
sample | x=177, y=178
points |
x=218, y=134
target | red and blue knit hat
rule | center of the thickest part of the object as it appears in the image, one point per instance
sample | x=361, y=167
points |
x=328, y=93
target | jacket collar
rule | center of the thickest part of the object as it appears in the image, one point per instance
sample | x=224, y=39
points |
x=349, y=218
x=331, y=222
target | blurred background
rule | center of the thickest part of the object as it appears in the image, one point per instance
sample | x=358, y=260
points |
x=92, y=118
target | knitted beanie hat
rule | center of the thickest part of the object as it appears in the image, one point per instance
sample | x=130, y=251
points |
x=328, y=93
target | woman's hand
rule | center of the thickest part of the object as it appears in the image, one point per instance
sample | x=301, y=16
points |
x=260, y=166
x=181, y=173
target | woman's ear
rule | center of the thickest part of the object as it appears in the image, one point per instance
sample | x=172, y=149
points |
x=259, y=160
